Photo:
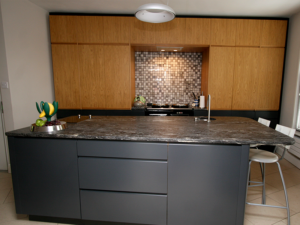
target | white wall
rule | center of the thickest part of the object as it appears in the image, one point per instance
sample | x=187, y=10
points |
x=291, y=77
x=5, y=93
x=28, y=57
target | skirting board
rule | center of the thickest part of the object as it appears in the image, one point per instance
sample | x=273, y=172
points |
x=289, y=157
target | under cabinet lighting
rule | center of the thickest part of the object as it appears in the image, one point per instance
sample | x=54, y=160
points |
x=162, y=50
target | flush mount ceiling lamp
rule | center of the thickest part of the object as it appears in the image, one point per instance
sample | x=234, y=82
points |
x=155, y=13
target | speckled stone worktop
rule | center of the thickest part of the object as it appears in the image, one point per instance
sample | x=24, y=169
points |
x=224, y=130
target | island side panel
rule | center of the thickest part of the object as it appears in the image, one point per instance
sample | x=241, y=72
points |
x=204, y=180
x=45, y=177
x=243, y=184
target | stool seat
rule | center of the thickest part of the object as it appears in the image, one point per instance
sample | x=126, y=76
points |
x=262, y=156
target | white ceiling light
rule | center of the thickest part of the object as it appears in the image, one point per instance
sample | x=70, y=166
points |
x=155, y=13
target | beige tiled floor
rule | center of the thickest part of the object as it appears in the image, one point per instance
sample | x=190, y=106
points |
x=253, y=214
x=275, y=196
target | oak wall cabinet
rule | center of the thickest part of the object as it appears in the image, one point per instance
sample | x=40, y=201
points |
x=63, y=29
x=92, y=77
x=197, y=31
x=117, y=77
x=273, y=33
x=90, y=29
x=66, y=76
x=269, y=79
x=223, y=31
x=172, y=32
x=142, y=33
x=220, y=78
x=117, y=29
x=93, y=58
x=246, y=69
x=248, y=32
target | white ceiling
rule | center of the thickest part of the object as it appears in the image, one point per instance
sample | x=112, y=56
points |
x=257, y=8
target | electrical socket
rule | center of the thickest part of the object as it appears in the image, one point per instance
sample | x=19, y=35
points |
x=4, y=85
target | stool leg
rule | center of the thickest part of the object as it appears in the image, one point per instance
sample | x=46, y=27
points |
x=249, y=174
x=263, y=181
x=285, y=192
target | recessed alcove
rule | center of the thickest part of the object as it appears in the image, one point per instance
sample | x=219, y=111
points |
x=169, y=49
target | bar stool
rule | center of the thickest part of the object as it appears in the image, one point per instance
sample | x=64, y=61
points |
x=264, y=122
x=263, y=157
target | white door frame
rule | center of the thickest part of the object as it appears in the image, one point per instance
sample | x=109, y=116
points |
x=4, y=136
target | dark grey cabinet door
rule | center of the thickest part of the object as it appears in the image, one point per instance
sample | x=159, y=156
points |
x=123, y=149
x=45, y=177
x=124, y=207
x=207, y=184
x=123, y=175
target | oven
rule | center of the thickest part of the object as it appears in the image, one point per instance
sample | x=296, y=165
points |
x=166, y=110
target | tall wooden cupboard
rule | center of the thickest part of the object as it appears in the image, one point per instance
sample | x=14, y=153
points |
x=93, y=59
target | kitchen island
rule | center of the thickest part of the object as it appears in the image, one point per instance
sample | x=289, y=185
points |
x=138, y=170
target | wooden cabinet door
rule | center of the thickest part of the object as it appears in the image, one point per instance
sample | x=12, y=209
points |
x=117, y=29
x=90, y=29
x=63, y=29
x=197, y=31
x=246, y=69
x=66, y=76
x=220, y=78
x=142, y=33
x=248, y=32
x=117, y=77
x=223, y=32
x=273, y=33
x=269, y=78
x=172, y=32
x=91, y=67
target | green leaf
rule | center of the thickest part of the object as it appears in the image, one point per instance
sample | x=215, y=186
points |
x=42, y=106
x=47, y=109
x=37, y=107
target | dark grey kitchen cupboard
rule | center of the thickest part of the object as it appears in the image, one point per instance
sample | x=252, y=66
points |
x=207, y=184
x=123, y=175
x=124, y=207
x=45, y=176
x=130, y=182
x=123, y=181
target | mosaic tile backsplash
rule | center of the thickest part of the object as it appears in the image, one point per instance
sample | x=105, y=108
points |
x=167, y=77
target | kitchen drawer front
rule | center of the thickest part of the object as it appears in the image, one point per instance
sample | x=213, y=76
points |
x=123, y=175
x=124, y=207
x=121, y=149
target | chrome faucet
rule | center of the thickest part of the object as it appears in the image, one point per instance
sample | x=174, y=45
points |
x=208, y=119
x=208, y=105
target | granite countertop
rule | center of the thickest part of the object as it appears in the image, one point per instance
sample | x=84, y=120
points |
x=223, y=130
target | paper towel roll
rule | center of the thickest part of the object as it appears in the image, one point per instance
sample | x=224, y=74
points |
x=202, y=101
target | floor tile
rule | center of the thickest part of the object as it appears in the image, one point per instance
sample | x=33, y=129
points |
x=295, y=220
x=3, y=195
x=291, y=178
x=256, y=192
x=247, y=222
x=293, y=197
x=4, y=174
x=10, y=197
x=5, y=183
x=280, y=223
x=8, y=213
x=259, y=215
x=286, y=164
x=27, y=222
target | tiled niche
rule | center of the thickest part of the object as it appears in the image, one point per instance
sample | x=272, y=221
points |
x=168, y=77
